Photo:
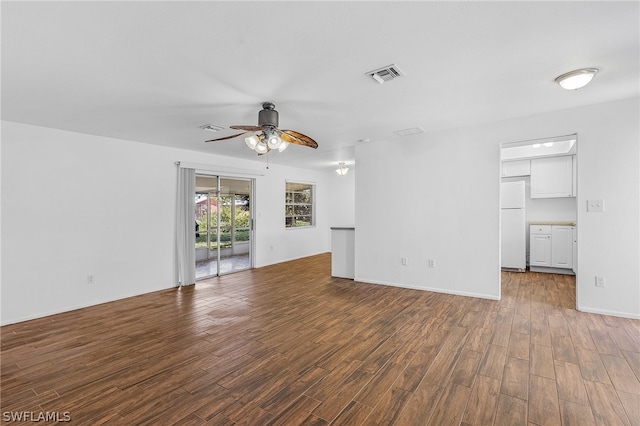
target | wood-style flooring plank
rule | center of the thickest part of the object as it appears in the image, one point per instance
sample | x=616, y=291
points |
x=354, y=414
x=570, y=384
x=389, y=407
x=340, y=399
x=631, y=404
x=412, y=375
x=466, y=368
x=563, y=349
x=573, y=413
x=450, y=408
x=605, y=404
x=519, y=345
x=544, y=408
x=296, y=413
x=633, y=359
x=591, y=366
x=492, y=365
x=515, y=380
x=540, y=333
x=510, y=411
x=371, y=393
x=621, y=375
x=420, y=405
x=542, y=361
x=481, y=407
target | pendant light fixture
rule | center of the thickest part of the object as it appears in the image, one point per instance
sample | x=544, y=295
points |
x=574, y=80
x=342, y=170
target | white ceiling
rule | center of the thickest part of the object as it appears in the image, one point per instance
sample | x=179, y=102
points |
x=155, y=71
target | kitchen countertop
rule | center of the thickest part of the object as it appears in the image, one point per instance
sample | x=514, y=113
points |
x=560, y=223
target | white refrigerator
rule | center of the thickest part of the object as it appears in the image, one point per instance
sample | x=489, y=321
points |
x=513, y=230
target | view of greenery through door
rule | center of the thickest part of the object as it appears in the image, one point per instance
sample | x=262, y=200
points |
x=222, y=225
x=207, y=224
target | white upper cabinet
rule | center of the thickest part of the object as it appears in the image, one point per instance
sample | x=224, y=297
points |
x=516, y=168
x=552, y=177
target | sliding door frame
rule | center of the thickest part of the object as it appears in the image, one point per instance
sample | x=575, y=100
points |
x=232, y=197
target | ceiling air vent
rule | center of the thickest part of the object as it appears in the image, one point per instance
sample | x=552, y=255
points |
x=409, y=132
x=211, y=127
x=387, y=73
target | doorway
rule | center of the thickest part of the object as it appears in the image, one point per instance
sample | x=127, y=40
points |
x=223, y=225
x=545, y=173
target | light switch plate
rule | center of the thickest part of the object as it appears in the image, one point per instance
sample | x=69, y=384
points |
x=595, y=206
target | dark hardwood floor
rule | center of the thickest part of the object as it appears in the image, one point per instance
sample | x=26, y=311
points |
x=289, y=345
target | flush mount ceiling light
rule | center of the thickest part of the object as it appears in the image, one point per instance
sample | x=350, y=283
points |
x=574, y=80
x=342, y=170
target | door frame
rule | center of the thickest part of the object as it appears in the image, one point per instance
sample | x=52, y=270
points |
x=217, y=190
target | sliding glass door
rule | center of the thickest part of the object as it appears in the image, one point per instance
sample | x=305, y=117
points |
x=223, y=225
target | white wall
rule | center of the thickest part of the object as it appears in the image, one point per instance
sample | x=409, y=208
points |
x=277, y=244
x=439, y=198
x=75, y=205
x=429, y=197
x=342, y=205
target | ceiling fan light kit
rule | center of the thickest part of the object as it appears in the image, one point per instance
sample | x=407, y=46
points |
x=274, y=141
x=266, y=136
x=251, y=141
x=283, y=146
x=574, y=80
x=261, y=148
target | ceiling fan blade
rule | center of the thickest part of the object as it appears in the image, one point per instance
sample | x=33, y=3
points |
x=227, y=137
x=298, y=138
x=247, y=128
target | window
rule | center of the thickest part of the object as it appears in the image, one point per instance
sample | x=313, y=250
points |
x=298, y=207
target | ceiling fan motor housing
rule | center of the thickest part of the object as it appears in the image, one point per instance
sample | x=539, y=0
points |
x=268, y=116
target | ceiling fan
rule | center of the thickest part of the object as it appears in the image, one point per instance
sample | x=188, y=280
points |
x=266, y=136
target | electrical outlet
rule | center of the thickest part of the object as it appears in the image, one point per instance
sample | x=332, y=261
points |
x=599, y=281
x=405, y=261
x=89, y=279
x=432, y=263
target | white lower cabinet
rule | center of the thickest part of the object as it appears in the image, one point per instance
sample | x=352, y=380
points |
x=551, y=246
x=540, y=245
x=562, y=247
